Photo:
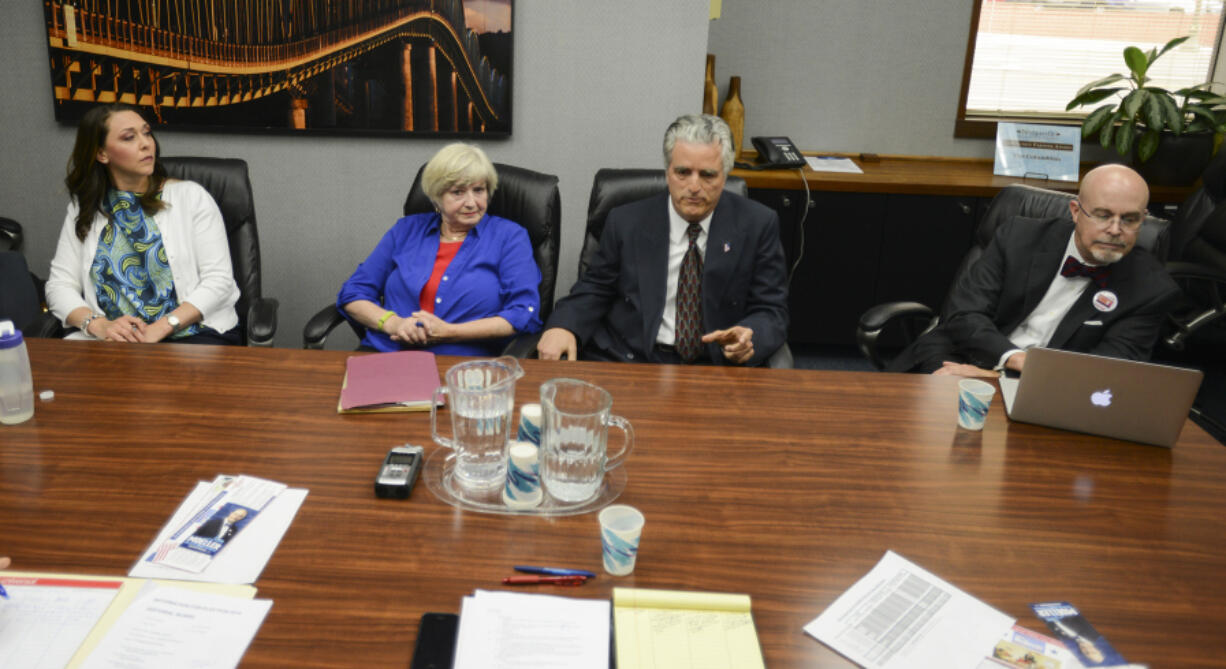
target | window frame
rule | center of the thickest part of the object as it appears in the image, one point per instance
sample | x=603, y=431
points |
x=985, y=128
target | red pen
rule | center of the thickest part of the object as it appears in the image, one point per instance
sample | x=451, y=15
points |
x=537, y=579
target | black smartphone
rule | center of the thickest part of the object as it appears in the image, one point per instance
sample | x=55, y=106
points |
x=435, y=641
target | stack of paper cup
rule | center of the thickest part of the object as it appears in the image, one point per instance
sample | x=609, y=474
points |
x=530, y=424
x=523, y=487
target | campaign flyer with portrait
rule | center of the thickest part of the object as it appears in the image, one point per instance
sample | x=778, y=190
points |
x=1078, y=635
x=231, y=504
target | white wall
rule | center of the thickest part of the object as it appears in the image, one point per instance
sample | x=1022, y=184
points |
x=596, y=83
x=849, y=75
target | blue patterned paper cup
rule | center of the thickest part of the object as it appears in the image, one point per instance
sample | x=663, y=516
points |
x=523, y=487
x=974, y=398
x=530, y=424
x=621, y=527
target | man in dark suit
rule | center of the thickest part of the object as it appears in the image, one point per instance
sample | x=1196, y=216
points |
x=1075, y=285
x=220, y=528
x=694, y=275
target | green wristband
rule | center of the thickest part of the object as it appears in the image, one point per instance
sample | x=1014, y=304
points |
x=383, y=320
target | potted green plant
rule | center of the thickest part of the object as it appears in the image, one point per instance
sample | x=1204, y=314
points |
x=1144, y=117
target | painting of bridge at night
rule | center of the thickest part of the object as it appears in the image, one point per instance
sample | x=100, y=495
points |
x=400, y=67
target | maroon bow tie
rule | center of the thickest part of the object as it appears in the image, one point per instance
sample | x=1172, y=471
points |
x=1074, y=267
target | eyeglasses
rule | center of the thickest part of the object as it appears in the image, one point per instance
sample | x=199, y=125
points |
x=1130, y=221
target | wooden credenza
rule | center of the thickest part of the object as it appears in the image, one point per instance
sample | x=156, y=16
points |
x=896, y=232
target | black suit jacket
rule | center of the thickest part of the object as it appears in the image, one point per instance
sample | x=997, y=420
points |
x=1005, y=285
x=209, y=529
x=616, y=307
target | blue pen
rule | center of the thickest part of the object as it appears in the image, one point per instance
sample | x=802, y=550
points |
x=553, y=571
x=3, y=593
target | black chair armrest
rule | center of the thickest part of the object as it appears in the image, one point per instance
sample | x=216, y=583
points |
x=315, y=333
x=522, y=346
x=45, y=326
x=1179, y=269
x=262, y=321
x=873, y=321
x=1204, y=290
x=881, y=315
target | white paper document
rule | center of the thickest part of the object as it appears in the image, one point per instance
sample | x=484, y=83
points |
x=174, y=627
x=507, y=630
x=900, y=615
x=833, y=164
x=245, y=554
x=46, y=619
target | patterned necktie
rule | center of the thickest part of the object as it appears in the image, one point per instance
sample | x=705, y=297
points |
x=689, y=300
x=1074, y=267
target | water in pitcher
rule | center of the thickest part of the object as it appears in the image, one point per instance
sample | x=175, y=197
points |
x=482, y=398
x=483, y=429
x=574, y=464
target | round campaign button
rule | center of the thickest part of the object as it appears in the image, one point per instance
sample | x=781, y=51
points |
x=1105, y=300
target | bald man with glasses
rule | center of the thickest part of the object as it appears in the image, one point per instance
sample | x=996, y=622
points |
x=1076, y=285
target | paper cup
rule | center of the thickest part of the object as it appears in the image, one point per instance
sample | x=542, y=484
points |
x=974, y=398
x=530, y=424
x=621, y=527
x=523, y=487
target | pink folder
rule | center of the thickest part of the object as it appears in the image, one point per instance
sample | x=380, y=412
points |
x=401, y=381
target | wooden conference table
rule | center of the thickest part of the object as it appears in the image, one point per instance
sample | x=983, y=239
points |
x=787, y=485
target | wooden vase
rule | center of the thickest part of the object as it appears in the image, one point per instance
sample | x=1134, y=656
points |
x=733, y=113
x=710, y=93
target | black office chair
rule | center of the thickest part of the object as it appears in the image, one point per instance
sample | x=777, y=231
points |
x=526, y=197
x=227, y=182
x=19, y=300
x=912, y=319
x=612, y=188
x=1198, y=263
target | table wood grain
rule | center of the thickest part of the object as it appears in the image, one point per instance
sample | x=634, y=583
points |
x=787, y=485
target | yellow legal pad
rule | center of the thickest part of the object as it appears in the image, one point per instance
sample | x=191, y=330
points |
x=671, y=629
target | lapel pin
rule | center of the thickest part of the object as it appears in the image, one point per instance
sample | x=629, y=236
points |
x=1105, y=300
x=727, y=247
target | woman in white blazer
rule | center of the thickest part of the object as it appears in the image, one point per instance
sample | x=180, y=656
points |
x=141, y=257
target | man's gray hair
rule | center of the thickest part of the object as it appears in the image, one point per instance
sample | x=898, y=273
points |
x=699, y=129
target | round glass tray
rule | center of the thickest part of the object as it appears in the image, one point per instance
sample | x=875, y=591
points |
x=439, y=479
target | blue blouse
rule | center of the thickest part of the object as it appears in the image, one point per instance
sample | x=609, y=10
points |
x=493, y=274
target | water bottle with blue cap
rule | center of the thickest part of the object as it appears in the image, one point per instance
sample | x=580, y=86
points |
x=16, y=384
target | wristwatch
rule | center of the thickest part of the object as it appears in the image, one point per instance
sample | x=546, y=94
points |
x=174, y=323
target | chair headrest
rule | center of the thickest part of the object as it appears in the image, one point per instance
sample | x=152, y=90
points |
x=1031, y=202
x=612, y=188
x=1214, y=177
x=225, y=179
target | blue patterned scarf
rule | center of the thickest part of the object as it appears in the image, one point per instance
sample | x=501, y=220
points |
x=130, y=272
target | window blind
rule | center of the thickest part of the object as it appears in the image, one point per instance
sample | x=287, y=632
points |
x=1032, y=56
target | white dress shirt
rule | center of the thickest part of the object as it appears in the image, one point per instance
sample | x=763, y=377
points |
x=1037, y=328
x=678, y=244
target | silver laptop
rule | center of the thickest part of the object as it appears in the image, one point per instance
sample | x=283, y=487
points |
x=1136, y=401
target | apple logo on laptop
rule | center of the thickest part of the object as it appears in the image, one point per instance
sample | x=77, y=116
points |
x=1101, y=398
